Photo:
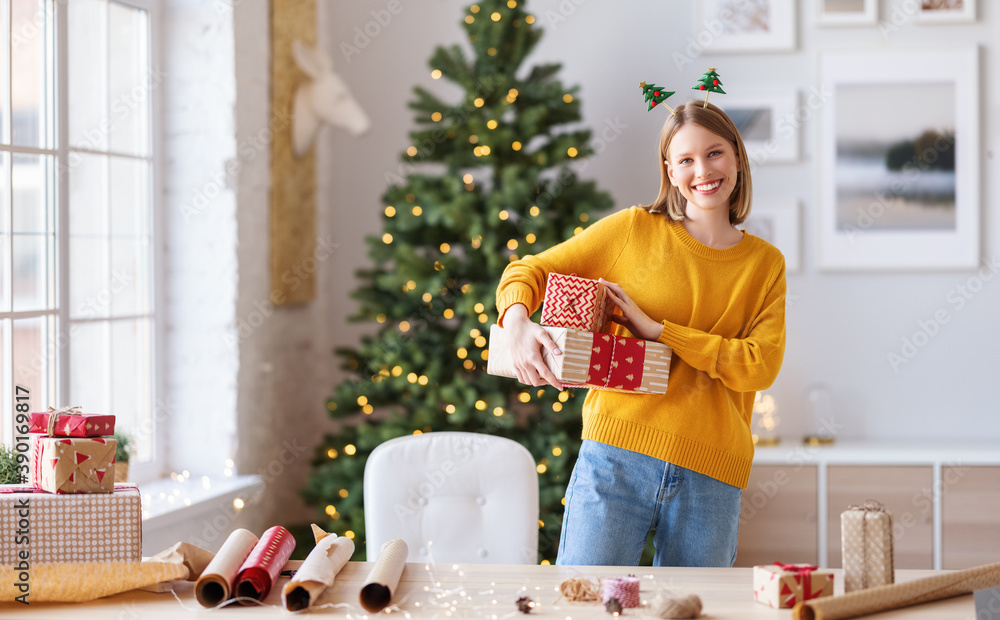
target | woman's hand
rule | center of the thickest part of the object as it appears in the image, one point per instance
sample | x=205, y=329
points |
x=632, y=317
x=527, y=341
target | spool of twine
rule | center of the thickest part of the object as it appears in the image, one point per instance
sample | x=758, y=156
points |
x=580, y=590
x=625, y=589
x=666, y=605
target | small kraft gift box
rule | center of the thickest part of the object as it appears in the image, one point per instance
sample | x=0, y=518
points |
x=73, y=464
x=783, y=585
x=576, y=303
x=866, y=541
x=84, y=527
x=595, y=361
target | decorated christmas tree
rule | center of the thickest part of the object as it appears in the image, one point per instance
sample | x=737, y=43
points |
x=488, y=178
x=710, y=83
x=654, y=94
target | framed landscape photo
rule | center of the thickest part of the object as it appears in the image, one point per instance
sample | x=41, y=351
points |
x=745, y=25
x=899, y=160
x=946, y=11
x=767, y=124
x=777, y=222
x=847, y=12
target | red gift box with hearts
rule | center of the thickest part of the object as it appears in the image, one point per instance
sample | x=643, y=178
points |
x=73, y=464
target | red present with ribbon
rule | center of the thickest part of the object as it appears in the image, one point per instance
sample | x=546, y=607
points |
x=576, y=303
x=594, y=361
x=72, y=422
x=783, y=585
x=73, y=464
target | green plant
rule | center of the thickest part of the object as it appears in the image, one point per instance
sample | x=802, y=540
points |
x=10, y=470
x=123, y=451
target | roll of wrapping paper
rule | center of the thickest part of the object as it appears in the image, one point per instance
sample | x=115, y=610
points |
x=261, y=568
x=317, y=571
x=894, y=596
x=216, y=582
x=376, y=594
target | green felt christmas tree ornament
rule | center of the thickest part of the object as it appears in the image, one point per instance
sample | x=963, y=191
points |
x=710, y=83
x=654, y=95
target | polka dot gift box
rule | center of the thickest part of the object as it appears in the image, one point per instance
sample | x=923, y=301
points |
x=866, y=541
x=79, y=527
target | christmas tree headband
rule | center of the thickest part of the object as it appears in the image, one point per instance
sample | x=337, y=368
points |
x=653, y=94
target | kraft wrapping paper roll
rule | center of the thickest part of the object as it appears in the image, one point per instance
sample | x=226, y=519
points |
x=884, y=598
x=261, y=568
x=216, y=582
x=317, y=571
x=77, y=582
x=376, y=594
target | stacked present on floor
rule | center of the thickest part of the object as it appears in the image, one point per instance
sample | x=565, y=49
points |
x=71, y=510
x=576, y=314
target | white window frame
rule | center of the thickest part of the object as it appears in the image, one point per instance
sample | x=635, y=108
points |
x=156, y=467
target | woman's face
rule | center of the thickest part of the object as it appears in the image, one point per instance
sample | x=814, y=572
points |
x=703, y=166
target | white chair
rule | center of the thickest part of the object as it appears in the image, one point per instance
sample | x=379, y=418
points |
x=453, y=497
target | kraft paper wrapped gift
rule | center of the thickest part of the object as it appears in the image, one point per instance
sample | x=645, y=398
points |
x=576, y=303
x=73, y=464
x=866, y=541
x=84, y=527
x=783, y=585
x=71, y=422
x=595, y=361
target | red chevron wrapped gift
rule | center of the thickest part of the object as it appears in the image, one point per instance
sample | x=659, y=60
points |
x=73, y=464
x=70, y=422
x=576, y=303
x=595, y=361
x=782, y=585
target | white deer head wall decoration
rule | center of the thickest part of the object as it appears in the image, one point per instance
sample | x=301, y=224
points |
x=322, y=98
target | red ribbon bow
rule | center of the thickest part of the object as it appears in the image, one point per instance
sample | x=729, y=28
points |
x=804, y=571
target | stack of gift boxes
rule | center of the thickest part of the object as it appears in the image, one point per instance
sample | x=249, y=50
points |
x=72, y=510
x=576, y=314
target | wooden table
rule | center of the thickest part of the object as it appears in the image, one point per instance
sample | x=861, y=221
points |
x=725, y=593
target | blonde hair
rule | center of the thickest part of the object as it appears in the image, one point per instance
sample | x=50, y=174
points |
x=670, y=200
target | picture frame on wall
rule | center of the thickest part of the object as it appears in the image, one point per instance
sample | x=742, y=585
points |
x=777, y=222
x=745, y=25
x=768, y=125
x=898, y=158
x=946, y=11
x=848, y=12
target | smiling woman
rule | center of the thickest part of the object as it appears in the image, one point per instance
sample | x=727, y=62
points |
x=680, y=274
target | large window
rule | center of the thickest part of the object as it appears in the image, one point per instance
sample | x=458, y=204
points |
x=78, y=318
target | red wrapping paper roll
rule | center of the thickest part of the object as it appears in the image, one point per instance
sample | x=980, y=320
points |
x=261, y=568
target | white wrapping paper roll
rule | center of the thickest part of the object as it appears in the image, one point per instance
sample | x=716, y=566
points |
x=317, y=572
x=376, y=594
x=216, y=582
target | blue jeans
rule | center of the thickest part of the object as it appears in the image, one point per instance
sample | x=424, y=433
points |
x=616, y=496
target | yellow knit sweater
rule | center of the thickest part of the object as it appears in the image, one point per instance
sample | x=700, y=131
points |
x=723, y=313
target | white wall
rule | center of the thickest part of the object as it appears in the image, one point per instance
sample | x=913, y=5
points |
x=841, y=327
